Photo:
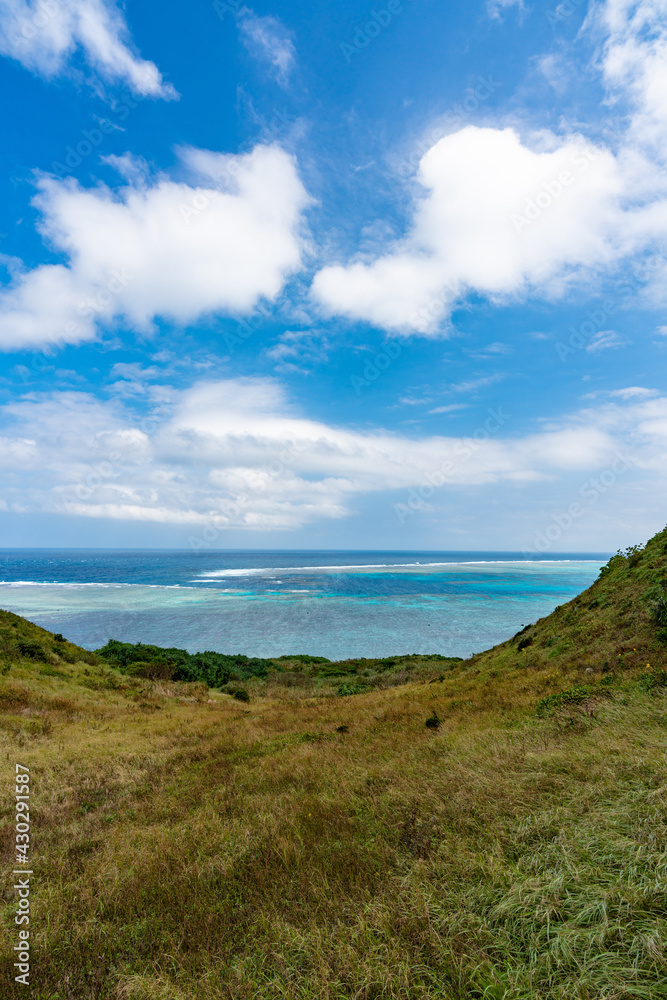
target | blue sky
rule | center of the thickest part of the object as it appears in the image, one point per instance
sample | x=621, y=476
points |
x=351, y=276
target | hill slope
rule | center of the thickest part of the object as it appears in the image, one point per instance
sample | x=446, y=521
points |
x=308, y=844
x=619, y=624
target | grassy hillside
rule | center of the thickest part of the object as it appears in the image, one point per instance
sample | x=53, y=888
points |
x=618, y=624
x=313, y=842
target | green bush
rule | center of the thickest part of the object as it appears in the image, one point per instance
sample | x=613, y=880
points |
x=214, y=669
x=574, y=696
x=659, y=608
x=346, y=689
x=336, y=670
x=152, y=670
x=304, y=658
x=31, y=650
x=654, y=681
x=614, y=562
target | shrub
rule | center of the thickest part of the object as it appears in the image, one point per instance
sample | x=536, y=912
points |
x=241, y=695
x=31, y=650
x=615, y=561
x=633, y=554
x=87, y=657
x=433, y=722
x=152, y=670
x=214, y=669
x=347, y=689
x=336, y=670
x=304, y=658
x=574, y=696
x=659, y=608
x=654, y=681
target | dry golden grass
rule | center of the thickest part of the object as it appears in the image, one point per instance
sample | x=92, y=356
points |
x=207, y=849
x=192, y=847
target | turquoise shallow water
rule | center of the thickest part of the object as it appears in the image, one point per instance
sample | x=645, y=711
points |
x=335, y=604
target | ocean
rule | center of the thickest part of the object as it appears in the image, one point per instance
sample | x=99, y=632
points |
x=268, y=603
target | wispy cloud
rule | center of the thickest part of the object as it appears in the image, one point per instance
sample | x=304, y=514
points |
x=269, y=42
x=237, y=453
x=46, y=38
x=495, y=8
x=414, y=400
x=634, y=392
x=634, y=61
x=473, y=384
x=605, y=340
x=298, y=350
x=492, y=351
x=451, y=408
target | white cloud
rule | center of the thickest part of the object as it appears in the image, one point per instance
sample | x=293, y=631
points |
x=166, y=249
x=480, y=382
x=46, y=35
x=496, y=7
x=450, y=408
x=634, y=392
x=497, y=217
x=268, y=41
x=237, y=453
x=634, y=62
x=557, y=71
x=499, y=348
x=135, y=371
x=605, y=340
x=505, y=216
x=296, y=349
x=491, y=352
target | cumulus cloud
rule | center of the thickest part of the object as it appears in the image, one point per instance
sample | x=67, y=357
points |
x=497, y=217
x=504, y=216
x=162, y=248
x=269, y=42
x=237, y=453
x=46, y=35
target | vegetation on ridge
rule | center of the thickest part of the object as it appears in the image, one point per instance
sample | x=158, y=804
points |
x=190, y=846
x=313, y=674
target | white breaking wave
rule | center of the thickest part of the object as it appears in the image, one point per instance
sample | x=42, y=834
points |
x=75, y=584
x=357, y=567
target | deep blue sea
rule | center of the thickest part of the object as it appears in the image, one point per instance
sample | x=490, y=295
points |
x=266, y=603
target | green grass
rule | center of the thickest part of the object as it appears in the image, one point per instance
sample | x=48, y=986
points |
x=312, y=843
